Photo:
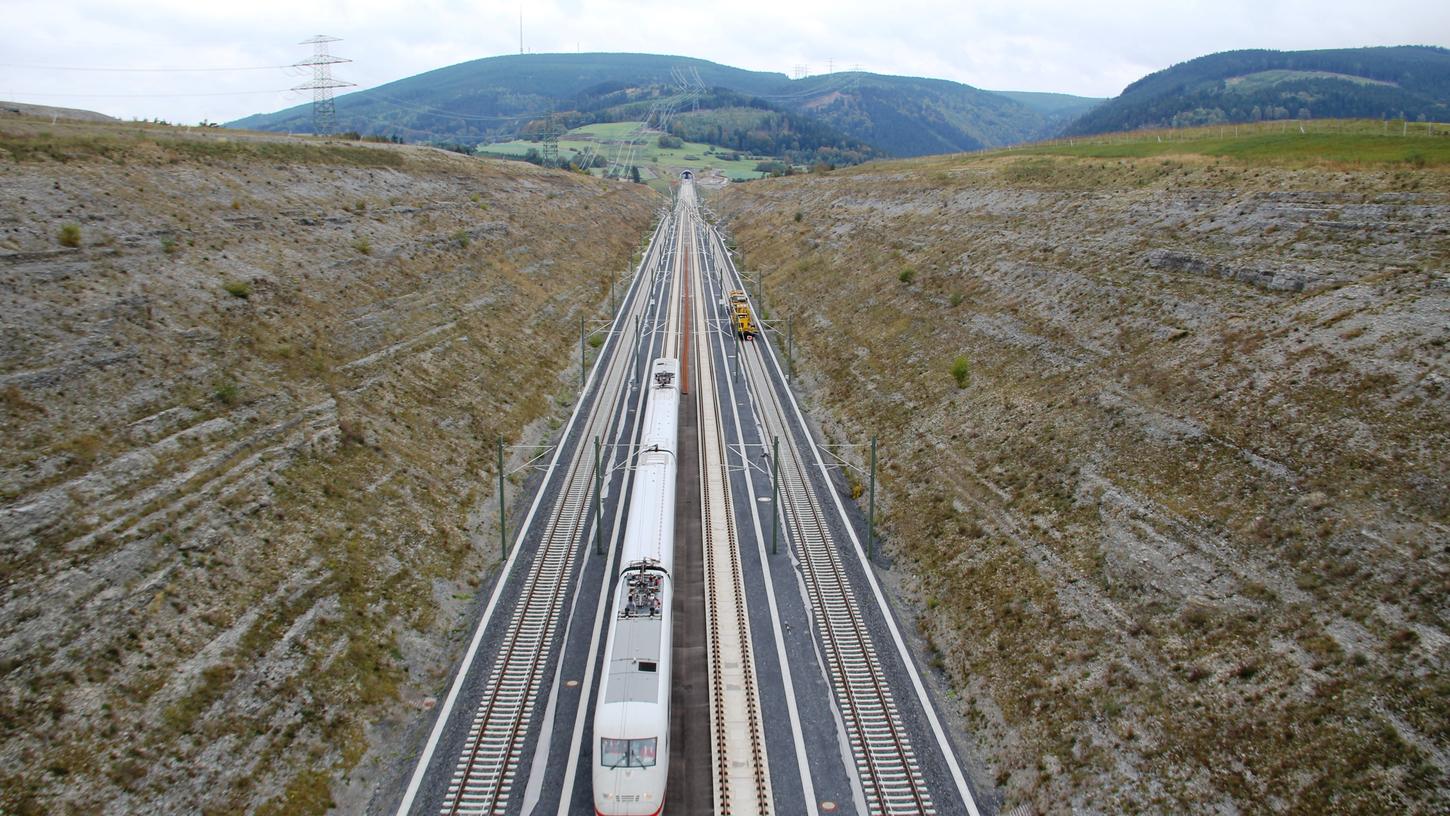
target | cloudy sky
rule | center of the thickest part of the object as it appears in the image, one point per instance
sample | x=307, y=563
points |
x=51, y=49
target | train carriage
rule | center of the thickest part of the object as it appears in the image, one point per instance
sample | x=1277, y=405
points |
x=632, y=712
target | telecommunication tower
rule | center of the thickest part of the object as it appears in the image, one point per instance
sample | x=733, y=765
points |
x=324, y=112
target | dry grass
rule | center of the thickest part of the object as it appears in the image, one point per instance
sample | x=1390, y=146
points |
x=252, y=452
x=1176, y=542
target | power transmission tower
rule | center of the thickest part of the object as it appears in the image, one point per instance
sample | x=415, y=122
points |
x=324, y=112
x=800, y=72
x=551, y=142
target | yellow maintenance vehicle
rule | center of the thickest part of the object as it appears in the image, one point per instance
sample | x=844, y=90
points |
x=740, y=314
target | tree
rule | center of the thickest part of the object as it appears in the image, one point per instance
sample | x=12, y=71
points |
x=634, y=174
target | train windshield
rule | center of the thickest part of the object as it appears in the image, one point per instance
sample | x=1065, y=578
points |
x=627, y=753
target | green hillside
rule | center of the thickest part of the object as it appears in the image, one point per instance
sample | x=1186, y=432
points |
x=1247, y=86
x=489, y=99
x=853, y=115
x=910, y=116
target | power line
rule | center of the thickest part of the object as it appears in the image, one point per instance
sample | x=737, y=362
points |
x=844, y=82
x=138, y=70
x=148, y=96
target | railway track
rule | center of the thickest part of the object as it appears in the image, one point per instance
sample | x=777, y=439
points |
x=484, y=774
x=885, y=761
x=742, y=775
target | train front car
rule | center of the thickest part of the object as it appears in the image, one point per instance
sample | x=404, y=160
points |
x=632, y=713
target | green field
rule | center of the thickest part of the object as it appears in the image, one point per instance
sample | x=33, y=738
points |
x=654, y=162
x=1265, y=79
x=1348, y=142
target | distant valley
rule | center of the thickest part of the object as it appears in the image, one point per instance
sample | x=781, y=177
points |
x=849, y=117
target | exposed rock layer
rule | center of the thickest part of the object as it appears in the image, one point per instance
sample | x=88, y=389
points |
x=247, y=419
x=1180, y=537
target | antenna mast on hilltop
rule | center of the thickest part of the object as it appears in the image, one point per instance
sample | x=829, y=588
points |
x=324, y=112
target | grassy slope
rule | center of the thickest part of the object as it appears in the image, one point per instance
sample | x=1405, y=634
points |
x=1179, y=542
x=1354, y=143
x=248, y=422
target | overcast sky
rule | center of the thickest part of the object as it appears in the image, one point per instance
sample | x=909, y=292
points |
x=1071, y=46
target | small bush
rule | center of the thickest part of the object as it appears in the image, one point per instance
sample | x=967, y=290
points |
x=461, y=237
x=351, y=432
x=907, y=275
x=798, y=216
x=596, y=340
x=168, y=245
x=957, y=298
x=1404, y=639
x=70, y=235
x=961, y=371
x=363, y=245
x=237, y=288
x=226, y=393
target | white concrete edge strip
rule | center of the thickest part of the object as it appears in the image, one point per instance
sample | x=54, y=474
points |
x=542, y=747
x=586, y=687
x=534, y=790
x=708, y=398
x=566, y=799
x=802, y=761
x=843, y=743
x=416, y=782
x=943, y=743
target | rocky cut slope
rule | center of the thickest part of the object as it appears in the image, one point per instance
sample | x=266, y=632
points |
x=1165, y=446
x=250, y=390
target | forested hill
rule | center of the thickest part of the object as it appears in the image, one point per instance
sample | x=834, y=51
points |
x=911, y=116
x=490, y=99
x=496, y=98
x=1243, y=86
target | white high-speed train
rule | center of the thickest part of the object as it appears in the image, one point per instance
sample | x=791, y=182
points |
x=632, y=713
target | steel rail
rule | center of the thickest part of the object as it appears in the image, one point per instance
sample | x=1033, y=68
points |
x=483, y=776
x=735, y=710
x=890, y=773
